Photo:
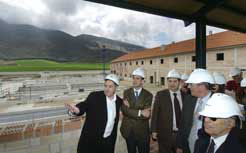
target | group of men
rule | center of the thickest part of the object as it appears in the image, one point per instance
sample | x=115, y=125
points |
x=180, y=120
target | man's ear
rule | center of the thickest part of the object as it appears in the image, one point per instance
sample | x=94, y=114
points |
x=230, y=123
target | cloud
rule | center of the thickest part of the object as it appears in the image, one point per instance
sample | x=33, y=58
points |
x=14, y=14
x=81, y=17
x=63, y=6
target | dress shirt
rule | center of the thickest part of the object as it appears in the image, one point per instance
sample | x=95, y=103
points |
x=111, y=112
x=219, y=141
x=180, y=104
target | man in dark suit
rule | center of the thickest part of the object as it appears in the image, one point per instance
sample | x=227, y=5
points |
x=200, y=82
x=166, y=114
x=136, y=114
x=102, y=115
x=221, y=126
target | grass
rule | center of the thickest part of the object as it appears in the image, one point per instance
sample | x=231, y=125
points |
x=46, y=65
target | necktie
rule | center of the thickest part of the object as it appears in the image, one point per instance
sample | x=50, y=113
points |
x=199, y=109
x=177, y=110
x=136, y=96
x=211, y=147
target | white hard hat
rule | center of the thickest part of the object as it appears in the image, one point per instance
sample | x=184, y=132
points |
x=113, y=78
x=199, y=76
x=243, y=83
x=219, y=78
x=139, y=72
x=184, y=77
x=235, y=71
x=221, y=106
x=173, y=74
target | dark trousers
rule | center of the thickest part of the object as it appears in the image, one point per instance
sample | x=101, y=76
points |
x=104, y=145
x=137, y=146
x=168, y=147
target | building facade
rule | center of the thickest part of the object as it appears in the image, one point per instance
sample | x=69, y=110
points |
x=224, y=51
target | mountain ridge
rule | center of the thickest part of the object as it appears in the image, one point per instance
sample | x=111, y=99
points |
x=23, y=41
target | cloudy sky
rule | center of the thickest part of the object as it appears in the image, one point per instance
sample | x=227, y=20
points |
x=80, y=17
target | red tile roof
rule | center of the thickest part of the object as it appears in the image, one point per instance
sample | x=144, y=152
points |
x=218, y=40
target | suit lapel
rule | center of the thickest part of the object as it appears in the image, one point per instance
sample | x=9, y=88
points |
x=132, y=96
x=182, y=97
x=118, y=104
x=104, y=110
x=193, y=105
x=170, y=105
x=141, y=96
x=169, y=97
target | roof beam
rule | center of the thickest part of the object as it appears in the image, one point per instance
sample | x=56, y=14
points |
x=202, y=12
x=141, y=8
x=226, y=7
x=225, y=26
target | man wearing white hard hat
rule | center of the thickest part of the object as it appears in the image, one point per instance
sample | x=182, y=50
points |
x=102, y=109
x=221, y=122
x=242, y=93
x=200, y=81
x=166, y=114
x=136, y=114
x=220, y=81
x=184, y=86
x=242, y=102
x=232, y=86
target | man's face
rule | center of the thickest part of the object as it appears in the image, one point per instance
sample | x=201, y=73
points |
x=197, y=90
x=218, y=127
x=238, y=78
x=137, y=81
x=215, y=88
x=109, y=88
x=182, y=82
x=173, y=84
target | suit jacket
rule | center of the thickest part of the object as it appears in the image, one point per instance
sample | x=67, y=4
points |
x=231, y=144
x=162, y=116
x=131, y=122
x=95, y=107
x=186, y=122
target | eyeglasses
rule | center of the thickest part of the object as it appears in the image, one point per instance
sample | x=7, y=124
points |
x=212, y=118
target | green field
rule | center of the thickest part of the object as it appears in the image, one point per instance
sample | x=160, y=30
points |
x=46, y=65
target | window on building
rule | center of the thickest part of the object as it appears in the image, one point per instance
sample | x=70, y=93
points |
x=220, y=56
x=162, y=61
x=151, y=79
x=163, y=81
x=130, y=63
x=125, y=64
x=150, y=61
x=193, y=58
x=175, y=60
x=142, y=62
x=125, y=75
x=136, y=62
x=120, y=64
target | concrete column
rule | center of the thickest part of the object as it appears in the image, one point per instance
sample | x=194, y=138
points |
x=200, y=45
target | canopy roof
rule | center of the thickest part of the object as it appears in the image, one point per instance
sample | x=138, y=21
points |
x=226, y=14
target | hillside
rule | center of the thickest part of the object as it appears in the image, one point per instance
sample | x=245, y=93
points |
x=29, y=42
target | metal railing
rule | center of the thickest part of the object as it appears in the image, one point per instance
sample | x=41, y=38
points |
x=31, y=116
